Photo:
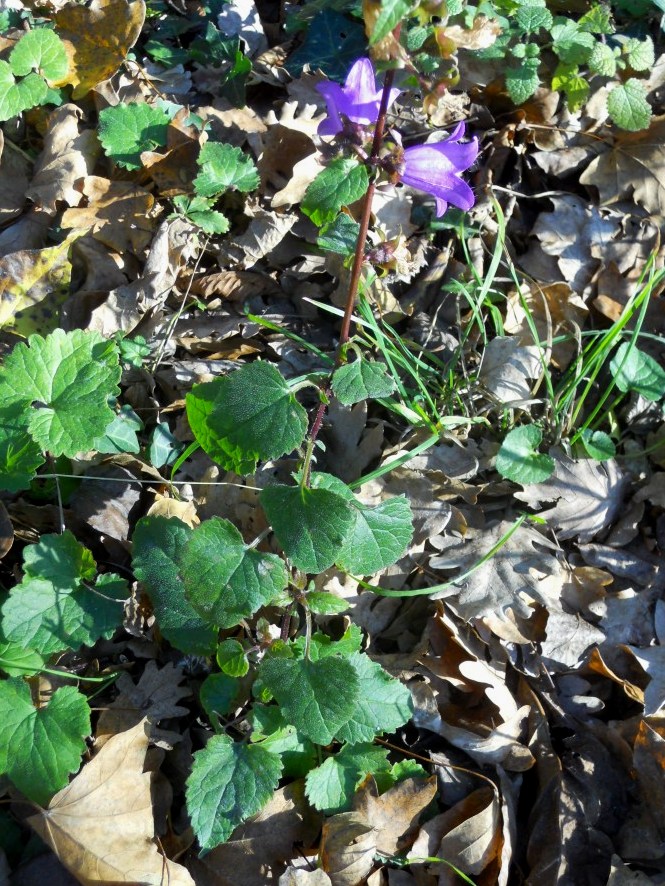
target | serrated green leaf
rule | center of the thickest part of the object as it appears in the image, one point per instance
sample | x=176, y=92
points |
x=598, y=444
x=311, y=525
x=597, y=20
x=603, y=60
x=522, y=82
x=518, y=458
x=157, y=543
x=17, y=661
x=362, y=380
x=229, y=783
x=628, y=107
x=333, y=43
x=200, y=212
x=231, y=658
x=340, y=235
x=217, y=694
x=298, y=754
x=383, y=704
x=572, y=45
x=222, y=167
x=40, y=748
x=326, y=603
x=340, y=184
x=391, y=14
x=248, y=415
x=19, y=454
x=41, y=51
x=64, y=381
x=18, y=96
x=532, y=18
x=331, y=786
x=639, y=54
x=567, y=79
x=126, y=130
x=53, y=609
x=317, y=697
x=633, y=370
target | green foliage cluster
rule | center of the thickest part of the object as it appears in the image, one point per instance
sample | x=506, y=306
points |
x=38, y=58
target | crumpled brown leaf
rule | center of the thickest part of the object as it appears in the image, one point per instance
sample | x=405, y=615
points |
x=396, y=812
x=348, y=845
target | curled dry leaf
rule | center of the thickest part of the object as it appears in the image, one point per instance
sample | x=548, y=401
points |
x=101, y=825
x=395, y=813
x=348, y=846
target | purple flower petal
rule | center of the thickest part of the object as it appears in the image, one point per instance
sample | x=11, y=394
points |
x=358, y=100
x=436, y=169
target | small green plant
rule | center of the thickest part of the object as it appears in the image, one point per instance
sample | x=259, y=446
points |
x=37, y=60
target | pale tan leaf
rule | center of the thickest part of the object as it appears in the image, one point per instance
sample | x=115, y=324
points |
x=101, y=825
x=14, y=178
x=348, y=845
x=481, y=35
x=299, y=877
x=396, y=812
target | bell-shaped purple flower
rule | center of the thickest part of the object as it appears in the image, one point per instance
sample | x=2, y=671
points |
x=358, y=100
x=436, y=169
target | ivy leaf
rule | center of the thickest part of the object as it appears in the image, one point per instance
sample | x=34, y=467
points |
x=311, y=525
x=318, y=697
x=342, y=182
x=40, y=748
x=229, y=783
x=41, y=51
x=333, y=43
x=331, y=786
x=19, y=96
x=248, y=415
x=222, y=167
x=522, y=82
x=518, y=458
x=379, y=536
x=122, y=434
x=19, y=454
x=383, y=703
x=127, y=130
x=628, y=107
x=362, y=380
x=52, y=609
x=64, y=381
x=18, y=661
x=157, y=543
x=633, y=370
x=224, y=579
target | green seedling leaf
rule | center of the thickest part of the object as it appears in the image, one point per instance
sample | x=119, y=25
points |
x=122, y=434
x=19, y=454
x=55, y=607
x=340, y=184
x=325, y=603
x=248, y=415
x=362, y=380
x=598, y=444
x=330, y=787
x=603, y=61
x=217, y=694
x=21, y=95
x=40, y=748
x=200, y=212
x=572, y=45
x=222, y=167
x=567, y=79
x=311, y=525
x=522, y=82
x=333, y=43
x=225, y=580
x=17, y=661
x=340, y=235
x=229, y=783
x=639, y=53
x=392, y=12
x=383, y=704
x=380, y=535
x=231, y=658
x=276, y=735
x=41, y=51
x=518, y=458
x=597, y=20
x=64, y=382
x=532, y=18
x=633, y=370
x=317, y=697
x=157, y=545
x=628, y=107
x=127, y=130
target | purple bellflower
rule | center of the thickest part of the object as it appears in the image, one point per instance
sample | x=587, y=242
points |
x=436, y=169
x=358, y=100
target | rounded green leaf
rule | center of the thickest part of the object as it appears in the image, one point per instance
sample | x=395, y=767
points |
x=127, y=130
x=362, y=380
x=331, y=786
x=222, y=167
x=229, y=783
x=518, y=458
x=41, y=51
x=16, y=97
x=311, y=525
x=598, y=444
x=633, y=370
x=628, y=107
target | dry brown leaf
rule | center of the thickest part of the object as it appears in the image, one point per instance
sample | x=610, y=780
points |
x=348, y=846
x=395, y=813
x=633, y=166
x=163, y=506
x=299, y=877
x=14, y=179
x=105, y=498
x=482, y=34
x=69, y=154
x=6, y=531
x=97, y=38
x=101, y=825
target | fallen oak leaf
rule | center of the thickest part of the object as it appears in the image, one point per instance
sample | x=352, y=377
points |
x=101, y=825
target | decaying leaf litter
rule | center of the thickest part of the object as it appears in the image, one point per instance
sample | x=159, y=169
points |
x=531, y=648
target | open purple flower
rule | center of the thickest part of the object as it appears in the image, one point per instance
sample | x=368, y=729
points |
x=358, y=100
x=436, y=169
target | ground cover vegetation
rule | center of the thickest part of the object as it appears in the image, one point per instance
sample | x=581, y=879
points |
x=332, y=443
